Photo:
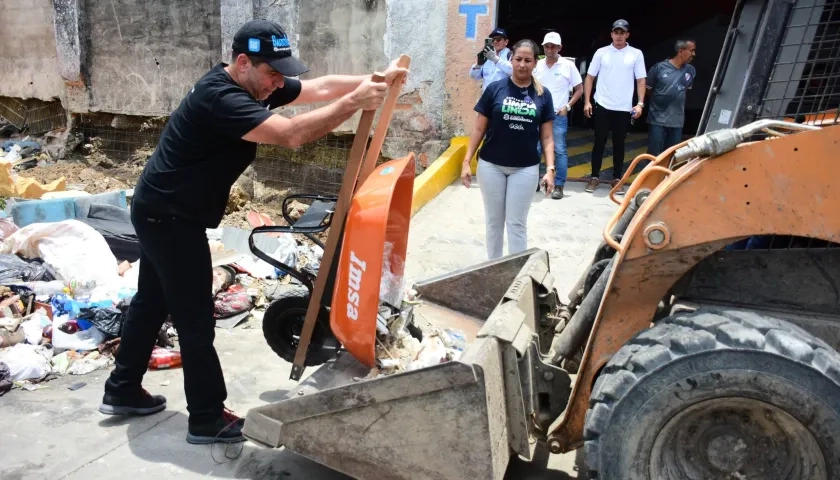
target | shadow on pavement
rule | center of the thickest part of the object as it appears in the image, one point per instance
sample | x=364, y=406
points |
x=273, y=396
x=164, y=442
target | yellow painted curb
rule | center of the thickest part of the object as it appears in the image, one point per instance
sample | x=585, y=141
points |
x=583, y=170
x=440, y=174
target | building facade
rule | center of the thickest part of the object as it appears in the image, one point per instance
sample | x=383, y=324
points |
x=137, y=58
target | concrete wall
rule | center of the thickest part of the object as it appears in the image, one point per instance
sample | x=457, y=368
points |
x=420, y=129
x=144, y=56
x=468, y=24
x=28, y=67
x=334, y=37
x=341, y=36
x=137, y=57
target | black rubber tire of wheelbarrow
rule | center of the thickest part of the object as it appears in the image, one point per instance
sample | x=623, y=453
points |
x=292, y=306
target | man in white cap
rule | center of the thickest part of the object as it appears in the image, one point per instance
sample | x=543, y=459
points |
x=559, y=75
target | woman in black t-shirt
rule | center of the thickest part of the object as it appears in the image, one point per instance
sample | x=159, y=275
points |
x=513, y=115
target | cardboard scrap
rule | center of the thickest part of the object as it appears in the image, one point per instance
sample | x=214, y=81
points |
x=24, y=187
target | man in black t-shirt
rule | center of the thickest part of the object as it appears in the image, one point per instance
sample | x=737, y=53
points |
x=208, y=142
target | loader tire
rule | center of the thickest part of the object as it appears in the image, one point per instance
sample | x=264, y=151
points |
x=283, y=323
x=717, y=394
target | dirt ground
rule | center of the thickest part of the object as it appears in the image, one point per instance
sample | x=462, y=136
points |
x=80, y=175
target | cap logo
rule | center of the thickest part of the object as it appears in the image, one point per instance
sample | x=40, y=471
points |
x=253, y=45
x=280, y=43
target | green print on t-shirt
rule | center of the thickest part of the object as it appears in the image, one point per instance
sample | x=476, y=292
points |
x=514, y=106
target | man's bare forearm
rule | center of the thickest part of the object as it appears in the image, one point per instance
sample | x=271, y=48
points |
x=640, y=89
x=331, y=87
x=317, y=123
x=587, y=89
x=578, y=91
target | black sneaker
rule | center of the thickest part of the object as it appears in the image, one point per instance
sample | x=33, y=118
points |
x=141, y=403
x=226, y=429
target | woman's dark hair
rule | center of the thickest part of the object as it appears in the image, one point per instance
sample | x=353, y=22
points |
x=528, y=43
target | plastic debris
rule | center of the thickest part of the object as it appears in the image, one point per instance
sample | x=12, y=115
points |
x=89, y=363
x=399, y=350
x=230, y=303
x=163, y=359
x=77, y=253
x=79, y=340
x=27, y=362
x=5, y=378
x=392, y=280
x=14, y=268
x=432, y=352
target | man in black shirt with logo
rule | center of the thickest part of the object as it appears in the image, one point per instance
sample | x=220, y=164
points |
x=208, y=142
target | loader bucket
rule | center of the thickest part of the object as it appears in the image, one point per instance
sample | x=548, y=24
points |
x=460, y=419
x=375, y=236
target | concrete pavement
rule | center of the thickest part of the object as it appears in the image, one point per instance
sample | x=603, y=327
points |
x=59, y=434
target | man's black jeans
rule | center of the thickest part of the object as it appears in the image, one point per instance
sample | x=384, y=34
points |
x=606, y=121
x=176, y=277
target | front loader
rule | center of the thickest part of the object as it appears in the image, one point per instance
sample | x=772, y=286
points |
x=700, y=343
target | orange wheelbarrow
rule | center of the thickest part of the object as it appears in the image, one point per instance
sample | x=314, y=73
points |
x=367, y=269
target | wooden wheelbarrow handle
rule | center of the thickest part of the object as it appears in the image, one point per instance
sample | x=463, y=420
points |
x=355, y=173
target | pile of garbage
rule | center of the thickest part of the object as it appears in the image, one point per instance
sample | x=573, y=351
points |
x=69, y=269
x=63, y=299
x=404, y=345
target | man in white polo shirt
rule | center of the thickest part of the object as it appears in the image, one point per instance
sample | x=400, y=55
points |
x=618, y=67
x=559, y=75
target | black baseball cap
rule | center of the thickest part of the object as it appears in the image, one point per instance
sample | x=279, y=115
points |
x=499, y=32
x=268, y=41
x=622, y=24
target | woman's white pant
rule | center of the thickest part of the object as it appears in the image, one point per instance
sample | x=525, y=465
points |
x=507, y=193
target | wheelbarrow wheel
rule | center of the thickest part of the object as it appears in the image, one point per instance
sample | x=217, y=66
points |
x=283, y=324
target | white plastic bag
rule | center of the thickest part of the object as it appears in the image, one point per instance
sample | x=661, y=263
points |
x=33, y=326
x=27, y=362
x=433, y=353
x=81, y=341
x=75, y=250
x=391, y=285
x=286, y=251
x=13, y=155
x=256, y=267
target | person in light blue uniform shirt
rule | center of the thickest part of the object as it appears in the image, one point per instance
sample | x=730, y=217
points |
x=493, y=63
